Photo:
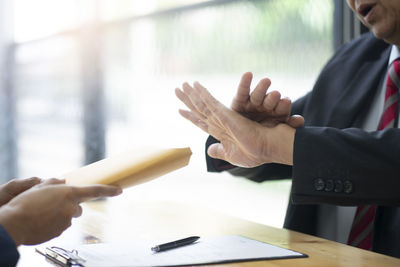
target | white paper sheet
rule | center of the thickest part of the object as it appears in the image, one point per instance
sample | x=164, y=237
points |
x=205, y=250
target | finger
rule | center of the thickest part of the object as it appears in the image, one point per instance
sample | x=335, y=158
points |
x=284, y=106
x=27, y=184
x=219, y=114
x=78, y=211
x=296, y=121
x=271, y=101
x=185, y=99
x=216, y=151
x=197, y=101
x=85, y=193
x=243, y=91
x=209, y=101
x=53, y=181
x=32, y=180
x=194, y=119
x=258, y=94
x=16, y=186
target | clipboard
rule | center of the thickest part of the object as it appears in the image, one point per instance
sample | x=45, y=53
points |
x=210, y=250
x=62, y=257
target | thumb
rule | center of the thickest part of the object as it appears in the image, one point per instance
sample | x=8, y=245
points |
x=217, y=151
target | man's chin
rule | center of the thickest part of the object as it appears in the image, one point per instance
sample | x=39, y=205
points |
x=388, y=36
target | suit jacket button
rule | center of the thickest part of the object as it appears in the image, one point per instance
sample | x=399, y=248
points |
x=319, y=184
x=348, y=187
x=329, y=185
x=338, y=186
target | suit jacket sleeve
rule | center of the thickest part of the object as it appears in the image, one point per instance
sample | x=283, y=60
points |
x=346, y=166
x=9, y=254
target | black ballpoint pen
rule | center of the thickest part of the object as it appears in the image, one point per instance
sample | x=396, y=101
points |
x=175, y=244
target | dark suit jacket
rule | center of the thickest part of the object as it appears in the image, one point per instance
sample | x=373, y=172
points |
x=334, y=161
x=8, y=251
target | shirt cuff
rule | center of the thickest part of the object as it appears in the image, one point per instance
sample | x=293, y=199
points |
x=222, y=165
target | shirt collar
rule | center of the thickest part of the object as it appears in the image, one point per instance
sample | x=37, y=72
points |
x=394, y=54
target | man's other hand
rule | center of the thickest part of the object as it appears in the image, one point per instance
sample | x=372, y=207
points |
x=266, y=108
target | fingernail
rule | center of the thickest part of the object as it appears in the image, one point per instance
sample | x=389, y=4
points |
x=36, y=179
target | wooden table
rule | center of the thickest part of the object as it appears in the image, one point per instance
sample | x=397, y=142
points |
x=120, y=219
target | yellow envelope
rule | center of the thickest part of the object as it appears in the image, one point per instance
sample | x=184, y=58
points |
x=130, y=168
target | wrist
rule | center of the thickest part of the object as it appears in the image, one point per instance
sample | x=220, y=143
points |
x=282, y=141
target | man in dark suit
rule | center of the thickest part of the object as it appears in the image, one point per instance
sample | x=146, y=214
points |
x=33, y=211
x=339, y=158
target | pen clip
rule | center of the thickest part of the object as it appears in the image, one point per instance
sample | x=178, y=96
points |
x=63, y=256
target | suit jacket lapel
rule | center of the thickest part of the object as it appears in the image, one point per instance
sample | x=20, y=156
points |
x=357, y=97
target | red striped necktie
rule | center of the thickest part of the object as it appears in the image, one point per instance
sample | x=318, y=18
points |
x=363, y=224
